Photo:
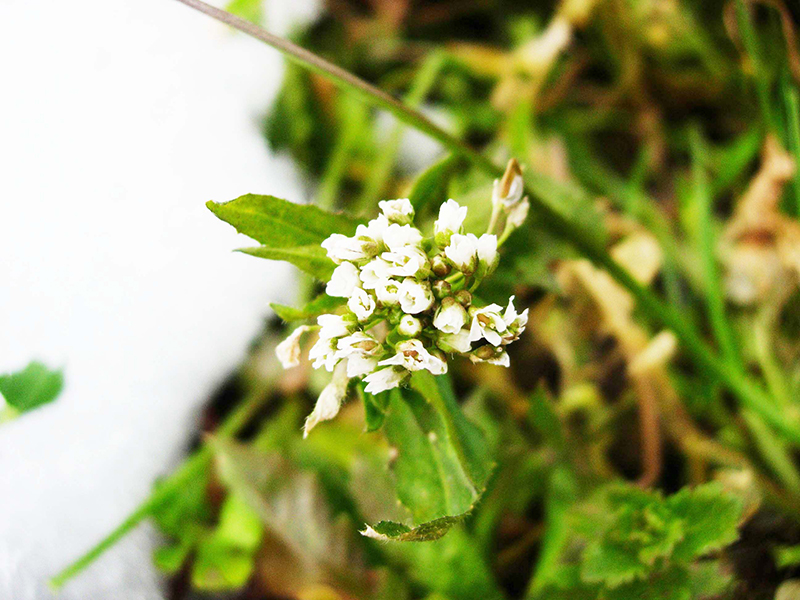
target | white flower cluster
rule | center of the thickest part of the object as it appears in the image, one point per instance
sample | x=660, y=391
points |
x=409, y=303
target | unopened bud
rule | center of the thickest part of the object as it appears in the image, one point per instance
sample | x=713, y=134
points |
x=464, y=298
x=409, y=326
x=440, y=266
x=441, y=289
x=508, y=190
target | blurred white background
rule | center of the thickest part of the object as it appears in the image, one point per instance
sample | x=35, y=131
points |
x=118, y=120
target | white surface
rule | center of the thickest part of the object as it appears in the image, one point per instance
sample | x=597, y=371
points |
x=118, y=119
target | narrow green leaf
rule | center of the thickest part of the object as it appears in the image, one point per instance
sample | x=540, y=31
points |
x=375, y=406
x=427, y=532
x=279, y=223
x=430, y=188
x=311, y=259
x=32, y=387
x=320, y=305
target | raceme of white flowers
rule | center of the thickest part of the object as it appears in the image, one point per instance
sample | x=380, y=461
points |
x=409, y=301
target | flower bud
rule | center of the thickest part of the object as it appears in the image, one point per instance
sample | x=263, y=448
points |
x=464, y=298
x=508, y=190
x=450, y=316
x=439, y=266
x=397, y=211
x=441, y=288
x=409, y=326
x=451, y=218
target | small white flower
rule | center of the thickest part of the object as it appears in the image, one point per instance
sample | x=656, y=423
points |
x=343, y=281
x=288, y=351
x=406, y=261
x=358, y=343
x=324, y=354
x=517, y=215
x=462, y=252
x=384, y=379
x=341, y=248
x=397, y=211
x=412, y=355
x=333, y=326
x=409, y=326
x=362, y=304
x=330, y=400
x=397, y=236
x=514, y=322
x=388, y=290
x=374, y=272
x=491, y=355
x=487, y=249
x=451, y=219
x=510, y=196
x=487, y=323
x=450, y=316
x=374, y=229
x=455, y=342
x=415, y=296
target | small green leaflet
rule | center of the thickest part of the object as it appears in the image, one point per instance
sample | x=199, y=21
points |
x=442, y=463
x=310, y=259
x=320, y=305
x=279, y=223
x=287, y=231
x=31, y=388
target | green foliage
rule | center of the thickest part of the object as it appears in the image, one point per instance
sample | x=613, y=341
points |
x=287, y=231
x=25, y=390
x=627, y=542
x=430, y=187
x=442, y=462
x=320, y=305
x=310, y=259
x=278, y=223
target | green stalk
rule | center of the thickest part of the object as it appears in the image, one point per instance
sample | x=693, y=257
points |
x=749, y=394
x=773, y=450
x=421, y=86
x=753, y=50
x=715, y=301
x=353, y=122
x=793, y=117
x=190, y=469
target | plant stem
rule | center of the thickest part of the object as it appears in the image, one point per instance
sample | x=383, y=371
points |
x=793, y=116
x=750, y=395
x=191, y=468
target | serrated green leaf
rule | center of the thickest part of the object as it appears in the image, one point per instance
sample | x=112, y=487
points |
x=442, y=464
x=430, y=188
x=670, y=584
x=239, y=526
x=32, y=387
x=320, y=305
x=611, y=563
x=711, y=517
x=278, y=223
x=466, y=438
x=311, y=259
